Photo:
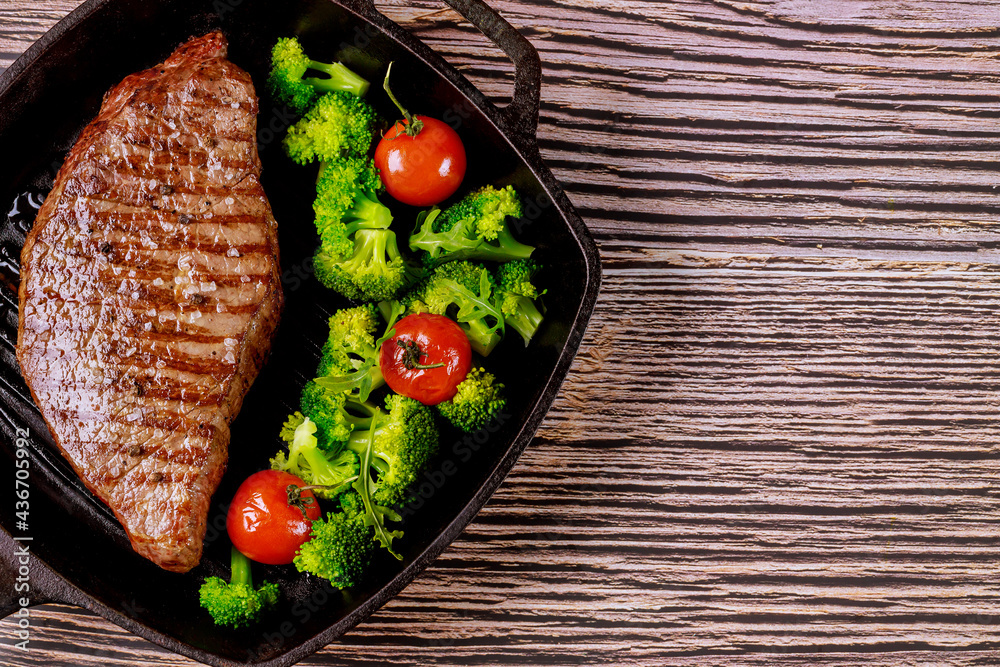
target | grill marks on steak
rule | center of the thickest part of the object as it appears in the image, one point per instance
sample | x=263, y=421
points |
x=149, y=294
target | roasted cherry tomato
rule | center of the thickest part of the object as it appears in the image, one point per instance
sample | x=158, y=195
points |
x=266, y=521
x=425, y=168
x=426, y=359
x=421, y=160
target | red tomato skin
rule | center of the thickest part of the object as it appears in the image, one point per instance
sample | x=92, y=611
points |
x=440, y=340
x=421, y=170
x=262, y=524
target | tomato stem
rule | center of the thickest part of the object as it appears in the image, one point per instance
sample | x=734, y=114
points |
x=412, y=354
x=413, y=124
x=296, y=499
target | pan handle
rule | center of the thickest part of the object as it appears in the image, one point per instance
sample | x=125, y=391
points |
x=522, y=112
x=521, y=115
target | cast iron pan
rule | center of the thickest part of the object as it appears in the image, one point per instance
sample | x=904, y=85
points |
x=79, y=553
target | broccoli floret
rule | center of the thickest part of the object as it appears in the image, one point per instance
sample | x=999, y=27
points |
x=474, y=228
x=327, y=411
x=348, y=371
x=349, y=361
x=464, y=291
x=346, y=201
x=338, y=124
x=478, y=399
x=351, y=504
x=351, y=340
x=374, y=272
x=288, y=82
x=341, y=545
x=306, y=460
x=359, y=256
x=404, y=441
x=337, y=404
x=236, y=603
x=517, y=296
x=328, y=402
x=393, y=452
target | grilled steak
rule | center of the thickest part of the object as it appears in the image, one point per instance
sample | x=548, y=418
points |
x=149, y=294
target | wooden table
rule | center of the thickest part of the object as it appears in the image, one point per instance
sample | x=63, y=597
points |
x=779, y=442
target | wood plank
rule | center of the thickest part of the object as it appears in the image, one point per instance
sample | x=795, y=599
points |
x=778, y=444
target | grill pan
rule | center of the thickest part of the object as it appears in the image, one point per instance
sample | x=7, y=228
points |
x=79, y=554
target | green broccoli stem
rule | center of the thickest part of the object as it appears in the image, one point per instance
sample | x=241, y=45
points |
x=481, y=337
x=366, y=213
x=483, y=252
x=452, y=242
x=341, y=78
x=367, y=410
x=526, y=320
x=319, y=465
x=359, y=443
x=504, y=249
x=512, y=246
x=368, y=243
x=239, y=566
x=385, y=309
x=373, y=244
x=390, y=246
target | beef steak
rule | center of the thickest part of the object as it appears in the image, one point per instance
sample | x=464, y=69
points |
x=149, y=294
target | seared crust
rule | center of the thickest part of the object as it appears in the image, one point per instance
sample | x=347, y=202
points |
x=150, y=291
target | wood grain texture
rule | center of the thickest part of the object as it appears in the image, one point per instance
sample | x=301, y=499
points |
x=779, y=442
